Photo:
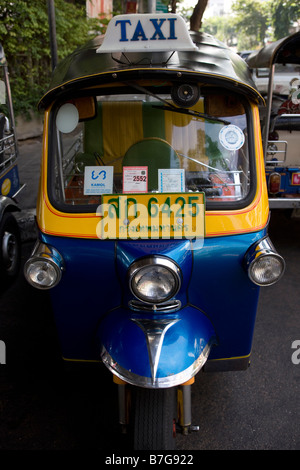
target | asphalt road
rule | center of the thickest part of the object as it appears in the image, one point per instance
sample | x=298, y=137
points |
x=43, y=408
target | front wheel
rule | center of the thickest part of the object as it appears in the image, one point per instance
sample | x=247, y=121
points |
x=10, y=249
x=154, y=421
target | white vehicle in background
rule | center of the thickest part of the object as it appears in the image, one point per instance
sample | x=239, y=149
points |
x=283, y=75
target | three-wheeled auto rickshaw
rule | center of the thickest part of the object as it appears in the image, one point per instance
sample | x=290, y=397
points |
x=153, y=215
x=10, y=240
x=281, y=121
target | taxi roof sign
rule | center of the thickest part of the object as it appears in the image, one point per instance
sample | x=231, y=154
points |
x=147, y=32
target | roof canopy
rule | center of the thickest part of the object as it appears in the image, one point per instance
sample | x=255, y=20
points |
x=283, y=51
x=206, y=59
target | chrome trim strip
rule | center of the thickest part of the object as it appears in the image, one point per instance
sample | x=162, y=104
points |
x=284, y=203
x=41, y=250
x=154, y=331
x=161, y=382
x=18, y=191
x=169, y=306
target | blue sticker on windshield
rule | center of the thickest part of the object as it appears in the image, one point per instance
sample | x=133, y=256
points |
x=98, y=179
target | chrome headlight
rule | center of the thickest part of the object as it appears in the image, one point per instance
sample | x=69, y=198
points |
x=44, y=268
x=265, y=266
x=154, y=279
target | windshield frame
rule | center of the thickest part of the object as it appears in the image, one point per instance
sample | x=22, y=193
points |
x=210, y=204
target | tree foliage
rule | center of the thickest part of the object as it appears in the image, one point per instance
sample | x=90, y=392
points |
x=252, y=20
x=284, y=14
x=221, y=27
x=24, y=34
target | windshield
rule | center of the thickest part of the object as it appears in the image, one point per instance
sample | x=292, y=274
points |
x=136, y=140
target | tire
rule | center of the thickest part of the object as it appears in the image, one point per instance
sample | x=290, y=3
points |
x=10, y=249
x=154, y=424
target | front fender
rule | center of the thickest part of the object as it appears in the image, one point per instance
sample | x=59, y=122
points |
x=6, y=203
x=155, y=351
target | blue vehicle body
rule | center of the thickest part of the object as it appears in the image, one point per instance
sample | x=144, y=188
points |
x=215, y=295
x=286, y=180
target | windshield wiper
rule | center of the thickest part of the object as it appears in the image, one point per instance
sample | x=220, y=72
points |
x=170, y=107
x=192, y=113
x=147, y=92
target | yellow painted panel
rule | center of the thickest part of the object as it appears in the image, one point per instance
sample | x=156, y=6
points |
x=217, y=223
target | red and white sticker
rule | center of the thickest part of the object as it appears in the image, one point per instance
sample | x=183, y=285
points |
x=296, y=178
x=135, y=179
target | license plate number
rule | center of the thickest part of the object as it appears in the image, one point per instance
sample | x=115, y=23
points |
x=155, y=215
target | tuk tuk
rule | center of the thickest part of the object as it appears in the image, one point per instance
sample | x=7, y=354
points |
x=10, y=241
x=153, y=215
x=281, y=120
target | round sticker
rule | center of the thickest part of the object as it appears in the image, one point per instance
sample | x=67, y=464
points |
x=67, y=118
x=5, y=188
x=232, y=137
